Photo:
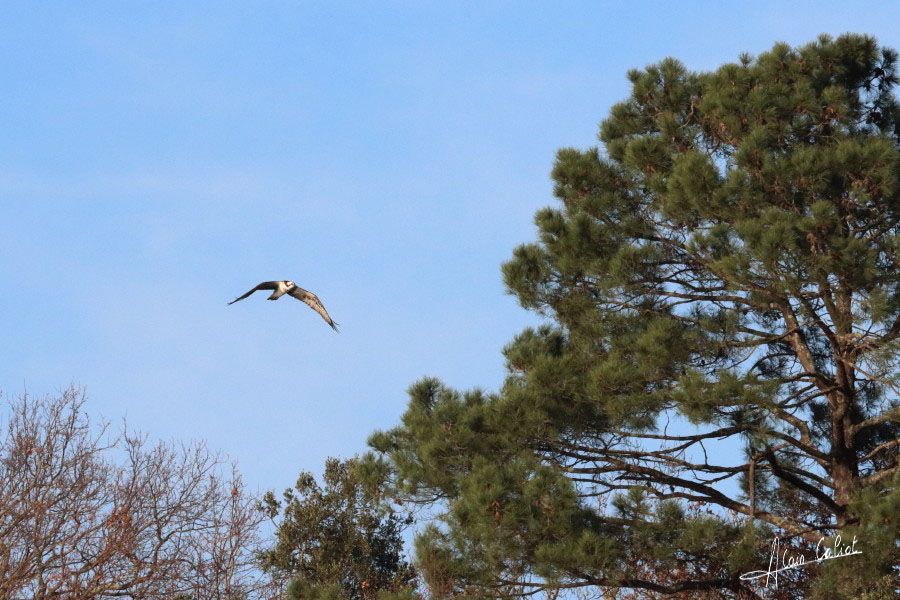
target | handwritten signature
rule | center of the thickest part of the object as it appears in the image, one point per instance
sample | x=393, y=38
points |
x=797, y=561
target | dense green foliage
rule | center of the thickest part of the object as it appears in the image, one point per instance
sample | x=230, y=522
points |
x=338, y=541
x=722, y=280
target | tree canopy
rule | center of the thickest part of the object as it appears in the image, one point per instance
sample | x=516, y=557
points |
x=719, y=366
x=338, y=541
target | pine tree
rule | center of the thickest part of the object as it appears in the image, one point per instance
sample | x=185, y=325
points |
x=721, y=364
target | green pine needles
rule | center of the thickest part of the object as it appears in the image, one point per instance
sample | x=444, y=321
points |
x=722, y=279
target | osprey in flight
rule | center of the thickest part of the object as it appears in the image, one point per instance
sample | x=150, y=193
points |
x=289, y=287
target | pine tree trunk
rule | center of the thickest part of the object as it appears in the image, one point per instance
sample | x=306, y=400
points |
x=844, y=468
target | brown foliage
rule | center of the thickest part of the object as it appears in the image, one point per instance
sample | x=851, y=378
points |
x=85, y=514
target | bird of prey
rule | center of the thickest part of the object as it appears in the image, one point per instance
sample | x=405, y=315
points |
x=289, y=287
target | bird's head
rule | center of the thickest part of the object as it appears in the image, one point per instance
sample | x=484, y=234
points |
x=290, y=283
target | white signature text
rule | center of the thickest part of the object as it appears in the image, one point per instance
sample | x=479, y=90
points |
x=784, y=561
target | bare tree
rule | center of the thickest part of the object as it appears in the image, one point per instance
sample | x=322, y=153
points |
x=87, y=514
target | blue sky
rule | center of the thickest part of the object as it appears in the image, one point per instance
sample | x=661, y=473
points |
x=156, y=161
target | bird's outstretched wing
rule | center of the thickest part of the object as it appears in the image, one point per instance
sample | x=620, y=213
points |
x=265, y=285
x=313, y=302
